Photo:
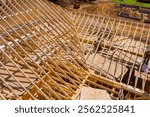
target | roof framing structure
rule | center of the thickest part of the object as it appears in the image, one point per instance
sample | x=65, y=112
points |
x=47, y=52
x=114, y=49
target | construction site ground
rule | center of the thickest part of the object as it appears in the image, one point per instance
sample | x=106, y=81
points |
x=105, y=8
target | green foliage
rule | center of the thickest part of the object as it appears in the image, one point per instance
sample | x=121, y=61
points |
x=142, y=3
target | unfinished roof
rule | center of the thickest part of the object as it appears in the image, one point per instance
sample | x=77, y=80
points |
x=39, y=51
x=115, y=48
x=45, y=55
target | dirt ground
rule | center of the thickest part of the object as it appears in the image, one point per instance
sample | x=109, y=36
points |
x=106, y=9
x=101, y=8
